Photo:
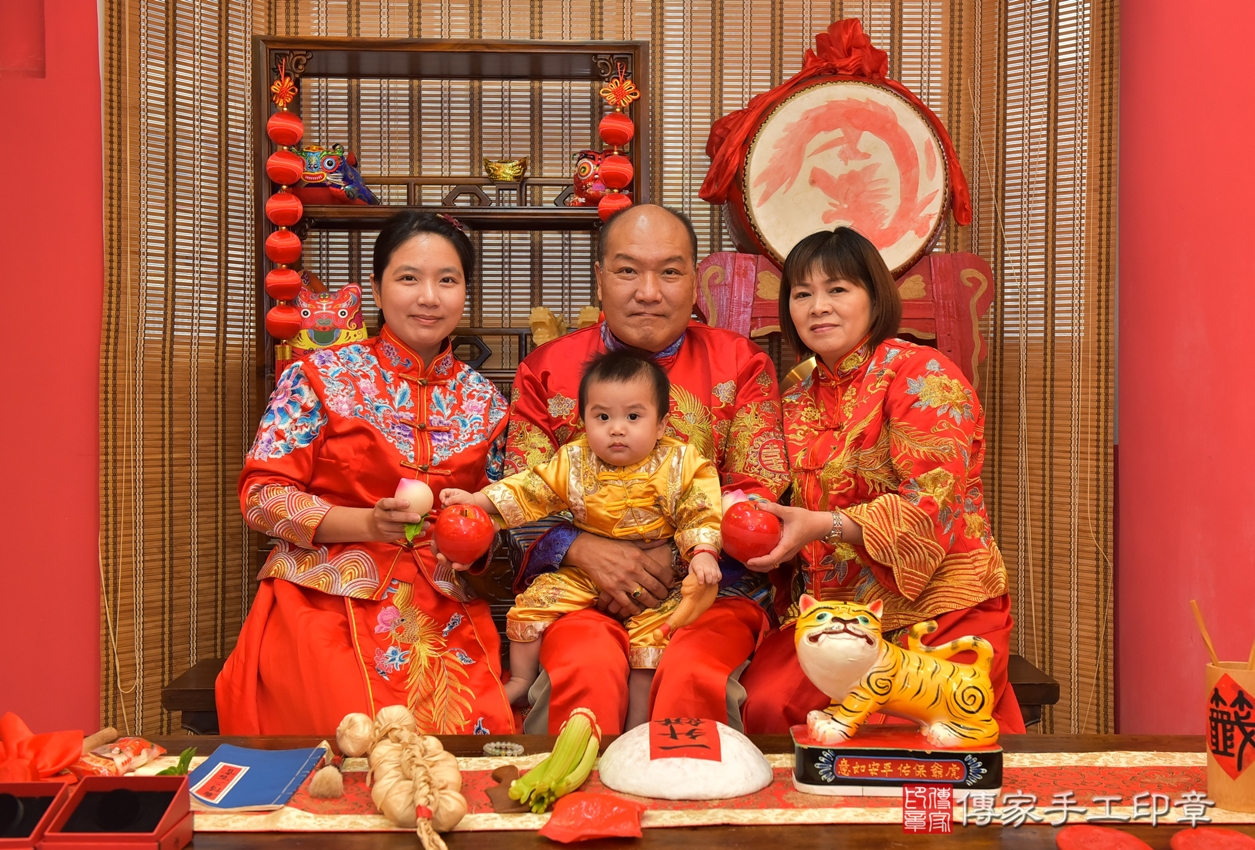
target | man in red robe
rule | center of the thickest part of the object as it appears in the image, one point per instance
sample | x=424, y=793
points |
x=724, y=400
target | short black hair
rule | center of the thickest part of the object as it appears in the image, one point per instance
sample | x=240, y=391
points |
x=407, y=224
x=842, y=254
x=680, y=216
x=621, y=367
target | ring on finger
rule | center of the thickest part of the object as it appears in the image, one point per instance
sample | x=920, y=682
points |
x=636, y=594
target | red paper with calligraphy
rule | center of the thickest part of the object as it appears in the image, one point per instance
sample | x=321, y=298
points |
x=684, y=737
x=1231, y=726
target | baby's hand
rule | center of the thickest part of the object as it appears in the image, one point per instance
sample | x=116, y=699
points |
x=706, y=568
x=454, y=496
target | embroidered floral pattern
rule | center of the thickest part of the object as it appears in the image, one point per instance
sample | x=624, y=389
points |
x=390, y=660
x=464, y=407
x=561, y=407
x=470, y=407
x=946, y=394
x=293, y=417
x=388, y=619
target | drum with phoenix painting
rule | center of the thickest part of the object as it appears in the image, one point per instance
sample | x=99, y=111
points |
x=842, y=152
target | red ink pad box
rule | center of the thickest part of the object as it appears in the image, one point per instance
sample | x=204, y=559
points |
x=26, y=810
x=123, y=813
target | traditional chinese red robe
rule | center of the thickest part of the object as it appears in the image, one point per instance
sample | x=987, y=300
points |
x=895, y=439
x=347, y=627
x=724, y=401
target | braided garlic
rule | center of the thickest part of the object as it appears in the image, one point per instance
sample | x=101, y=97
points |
x=414, y=782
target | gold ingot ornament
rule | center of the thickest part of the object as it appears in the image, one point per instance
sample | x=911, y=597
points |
x=505, y=170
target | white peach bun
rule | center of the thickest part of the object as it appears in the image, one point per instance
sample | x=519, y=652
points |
x=417, y=493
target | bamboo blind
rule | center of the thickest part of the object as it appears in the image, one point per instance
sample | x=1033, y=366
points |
x=1026, y=88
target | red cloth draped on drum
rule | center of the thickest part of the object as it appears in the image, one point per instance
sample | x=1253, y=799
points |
x=843, y=52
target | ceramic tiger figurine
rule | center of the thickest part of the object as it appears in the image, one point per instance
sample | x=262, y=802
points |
x=840, y=648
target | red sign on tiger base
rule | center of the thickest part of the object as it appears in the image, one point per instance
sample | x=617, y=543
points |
x=684, y=737
x=1231, y=726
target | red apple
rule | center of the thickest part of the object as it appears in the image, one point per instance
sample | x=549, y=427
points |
x=463, y=533
x=749, y=531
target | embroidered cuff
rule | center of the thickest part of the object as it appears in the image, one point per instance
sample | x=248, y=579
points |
x=900, y=536
x=511, y=512
x=285, y=512
x=688, y=540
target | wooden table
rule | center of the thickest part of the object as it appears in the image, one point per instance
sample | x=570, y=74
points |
x=827, y=837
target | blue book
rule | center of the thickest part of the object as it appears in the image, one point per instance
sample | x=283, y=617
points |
x=239, y=779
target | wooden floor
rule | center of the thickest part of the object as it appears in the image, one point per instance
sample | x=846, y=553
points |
x=790, y=837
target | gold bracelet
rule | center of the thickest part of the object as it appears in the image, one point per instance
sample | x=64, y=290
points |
x=838, y=526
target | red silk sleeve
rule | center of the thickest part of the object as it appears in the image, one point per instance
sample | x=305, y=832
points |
x=936, y=426
x=280, y=463
x=530, y=440
x=754, y=458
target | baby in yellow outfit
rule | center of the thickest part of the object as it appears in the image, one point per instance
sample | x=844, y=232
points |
x=623, y=479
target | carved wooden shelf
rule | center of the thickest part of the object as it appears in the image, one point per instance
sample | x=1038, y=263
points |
x=475, y=217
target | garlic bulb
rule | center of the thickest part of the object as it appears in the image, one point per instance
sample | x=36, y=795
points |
x=355, y=734
x=449, y=810
x=394, y=716
x=444, y=772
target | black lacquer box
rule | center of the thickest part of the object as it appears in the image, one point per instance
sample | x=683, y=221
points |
x=881, y=759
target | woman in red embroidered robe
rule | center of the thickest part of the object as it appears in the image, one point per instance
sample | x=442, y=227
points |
x=347, y=616
x=886, y=441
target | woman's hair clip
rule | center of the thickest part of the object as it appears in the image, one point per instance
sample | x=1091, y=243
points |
x=459, y=225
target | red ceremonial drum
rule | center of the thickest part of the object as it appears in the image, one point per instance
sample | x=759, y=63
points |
x=841, y=152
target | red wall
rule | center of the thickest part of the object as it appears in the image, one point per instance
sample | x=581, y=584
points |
x=1187, y=360
x=52, y=276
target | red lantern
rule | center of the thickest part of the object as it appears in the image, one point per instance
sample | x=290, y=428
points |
x=616, y=129
x=285, y=128
x=616, y=171
x=283, y=247
x=611, y=203
x=284, y=209
x=283, y=284
x=283, y=321
x=285, y=168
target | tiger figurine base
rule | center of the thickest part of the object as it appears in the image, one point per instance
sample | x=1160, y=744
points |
x=841, y=650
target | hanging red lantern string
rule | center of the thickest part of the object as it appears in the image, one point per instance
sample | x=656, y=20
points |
x=616, y=129
x=283, y=284
x=284, y=209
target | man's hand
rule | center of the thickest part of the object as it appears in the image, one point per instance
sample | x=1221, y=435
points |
x=620, y=569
